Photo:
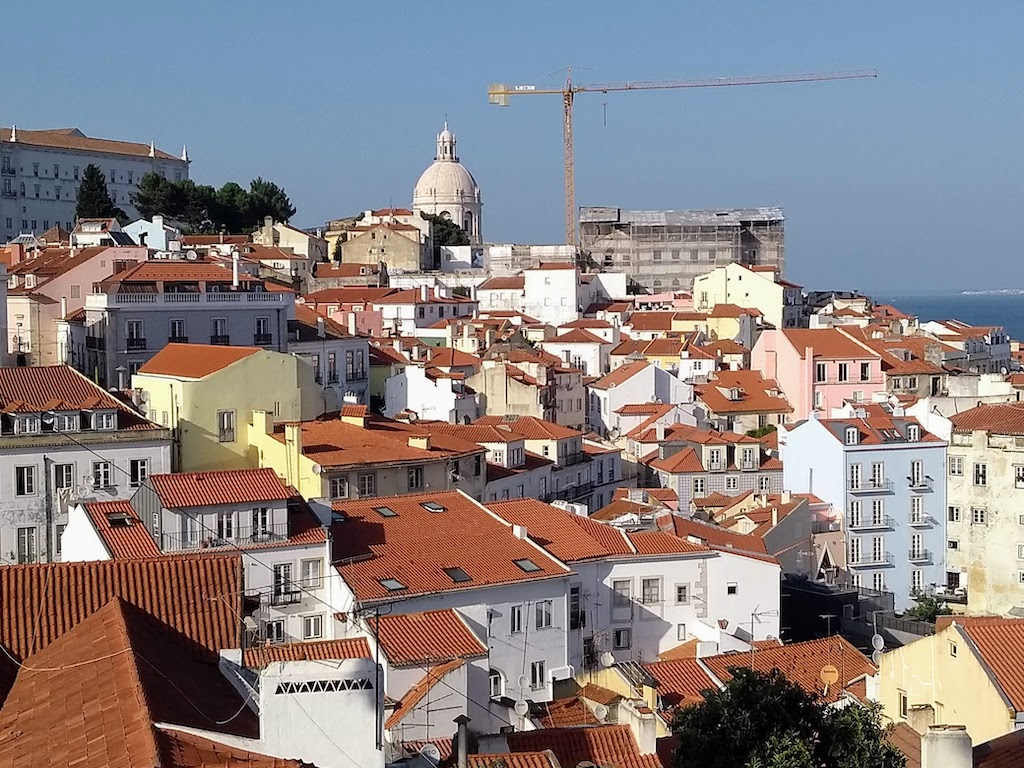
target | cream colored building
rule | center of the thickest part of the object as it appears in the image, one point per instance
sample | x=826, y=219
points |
x=967, y=673
x=447, y=189
x=779, y=301
x=399, y=246
x=985, y=514
x=292, y=239
x=207, y=395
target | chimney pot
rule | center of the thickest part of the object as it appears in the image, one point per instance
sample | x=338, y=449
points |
x=519, y=531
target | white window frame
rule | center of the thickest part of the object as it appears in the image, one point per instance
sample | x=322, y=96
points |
x=313, y=626
x=25, y=480
x=685, y=588
x=538, y=675
x=655, y=598
x=338, y=487
x=102, y=474
x=956, y=466
x=63, y=476
x=138, y=471
x=311, y=572
x=544, y=614
x=622, y=639
x=227, y=426
x=515, y=619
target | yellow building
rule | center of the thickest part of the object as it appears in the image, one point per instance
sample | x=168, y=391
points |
x=967, y=673
x=762, y=289
x=207, y=395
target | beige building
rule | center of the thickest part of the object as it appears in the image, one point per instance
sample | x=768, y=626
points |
x=292, y=239
x=985, y=514
x=506, y=389
x=399, y=246
x=761, y=288
x=967, y=673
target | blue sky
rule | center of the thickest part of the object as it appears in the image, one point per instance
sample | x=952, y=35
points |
x=911, y=181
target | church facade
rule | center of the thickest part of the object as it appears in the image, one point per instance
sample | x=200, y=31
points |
x=448, y=189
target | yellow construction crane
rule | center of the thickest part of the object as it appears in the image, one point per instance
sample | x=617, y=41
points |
x=500, y=93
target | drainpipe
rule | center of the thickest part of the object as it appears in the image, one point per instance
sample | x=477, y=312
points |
x=48, y=505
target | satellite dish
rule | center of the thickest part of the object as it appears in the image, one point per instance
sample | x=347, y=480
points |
x=877, y=642
x=431, y=753
x=191, y=255
x=521, y=708
x=607, y=659
x=524, y=681
x=829, y=675
x=317, y=469
x=876, y=658
x=601, y=712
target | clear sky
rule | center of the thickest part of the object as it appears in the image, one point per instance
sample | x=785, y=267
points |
x=910, y=181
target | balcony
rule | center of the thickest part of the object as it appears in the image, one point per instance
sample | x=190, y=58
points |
x=7, y=171
x=95, y=342
x=871, y=486
x=135, y=344
x=219, y=340
x=356, y=374
x=922, y=556
x=238, y=536
x=920, y=483
x=262, y=339
x=10, y=193
x=880, y=523
x=177, y=339
x=569, y=459
x=922, y=521
x=184, y=301
x=871, y=560
x=286, y=596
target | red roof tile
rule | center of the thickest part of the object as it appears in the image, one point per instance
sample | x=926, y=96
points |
x=756, y=393
x=604, y=745
x=231, y=486
x=566, y=536
x=514, y=283
x=1001, y=419
x=716, y=536
x=348, y=648
x=530, y=427
x=651, y=321
x=125, y=538
x=416, y=694
x=194, y=361
x=545, y=759
x=681, y=681
x=661, y=543
x=426, y=638
x=74, y=139
x=830, y=343
x=576, y=336
x=185, y=750
x=1006, y=751
x=1000, y=642
x=567, y=713
x=415, y=546
x=620, y=375
x=449, y=357
x=685, y=460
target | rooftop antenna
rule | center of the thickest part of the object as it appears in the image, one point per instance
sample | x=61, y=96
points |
x=604, y=113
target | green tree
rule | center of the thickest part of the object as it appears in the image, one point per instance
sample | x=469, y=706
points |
x=93, y=198
x=268, y=199
x=336, y=254
x=446, y=231
x=927, y=609
x=155, y=196
x=761, y=431
x=762, y=720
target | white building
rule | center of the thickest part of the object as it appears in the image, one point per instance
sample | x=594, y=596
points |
x=340, y=358
x=154, y=234
x=40, y=172
x=431, y=394
x=636, y=382
x=447, y=189
x=62, y=438
x=888, y=474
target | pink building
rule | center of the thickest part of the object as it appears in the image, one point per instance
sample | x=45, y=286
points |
x=818, y=369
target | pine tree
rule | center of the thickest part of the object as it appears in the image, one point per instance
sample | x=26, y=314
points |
x=93, y=198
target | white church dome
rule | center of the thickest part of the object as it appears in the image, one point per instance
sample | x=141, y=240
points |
x=448, y=189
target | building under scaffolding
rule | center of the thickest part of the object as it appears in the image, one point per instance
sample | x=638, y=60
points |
x=666, y=250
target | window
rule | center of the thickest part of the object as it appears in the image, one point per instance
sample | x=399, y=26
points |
x=27, y=546
x=260, y=521
x=25, y=481
x=953, y=544
x=952, y=649
x=844, y=372
x=61, y=527
x=178, y=329
x=820, y=370
x=916, y=474
x=621, y=593
x=515, y=619
x=392, y=585
x=226, y=426
x=26, y=425
x=104, y=421
x=865, y=371
x=525, y=564
x=903, y=705
x=913, y=433
x=1020, y=551
x=312, y=627
x=131, y=175
x=680, y=632
x=496, y=684
x=878, y=475
x=101, y=474
x=764, y=483
x=1018, y=476
x=981, y=474
x=282, y=579
x=732, y=588
x=367, y=484
x=855, y=477
x=878, y=582
x=544, y=614
x=650, y=591
x=273, y=631
x=855, y=551
x=576, y=617
x=698, y=486
x=63, y=476
x=682, y=594
x=138, y=469
x=877, y=549
x=225, y=525
x=415, y=478
x=219, y=328
x=35, y=169
x=332, y=368
x=621, y=639
x=979, y=516
x=339, y=487
x=953, y=514
x=917, y=510
x=852, y=435
x=538, y=675
x=731, y=483
x=75, y=174
x=855, y=513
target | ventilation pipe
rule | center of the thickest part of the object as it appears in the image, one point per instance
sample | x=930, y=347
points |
x=234, y=270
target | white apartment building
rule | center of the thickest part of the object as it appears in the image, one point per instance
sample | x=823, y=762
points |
x=62, y=438
x=40, y=172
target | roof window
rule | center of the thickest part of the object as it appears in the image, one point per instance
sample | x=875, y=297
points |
x=432, y=506
x=385, y=511
x=527, y=565
x=392, y=585
x=457, y=575
x=119, y=520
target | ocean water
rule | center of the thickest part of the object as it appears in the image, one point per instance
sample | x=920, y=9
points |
x=1005, y=309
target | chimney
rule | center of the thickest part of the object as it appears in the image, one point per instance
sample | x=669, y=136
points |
x=293, y=451
x=268, y=230
x=786, y=497
x=352, y=329
x=63, y=306
x=775, y=516
x=234, y=270
x=420, y=442
x=946, y=746
x=424, y=291
x=659, y=431
x=17, y=253
x=463, y=737
x=142, y=238
x=158, y=220
x=519, y=531
x=321, y=330
x=354, y=416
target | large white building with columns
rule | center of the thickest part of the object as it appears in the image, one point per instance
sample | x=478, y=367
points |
x=449, y=190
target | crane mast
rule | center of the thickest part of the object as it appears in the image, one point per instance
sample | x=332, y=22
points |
x=500, y=94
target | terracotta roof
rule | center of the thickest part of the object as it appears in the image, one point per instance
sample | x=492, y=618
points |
x=1006, y=751
x=115, y=673
x=687, y=650
x=414, y=546
x=122, y=539
x=391, y=212
x=604, y=745
x=576, y=336
x=756, y=393
x=651, y=321
x=1000, y=643
x=685, y=460
x=530, y=427
x=35, y=389
x=72, y=138
x=555, y=265
x=444, y=746
x=830, y=343
x=41, y=602
x=733, y=310
x=723, y=347
x=306, y=326
x=163, y=271
x=214, y=239
x=877, y=430
x=571, y=538
x=681, y=681
x=185, y=750
x=194, y=361
x=641, y=409
x=1001, y=419
x=544, y=759
x=662, y=543
x=618, y=508
x=229, y=486
x=567, y=713
x=598, y=694
x=449, y=357
x=802, y=663
x=348, y=648
x=587, y=322
x=431, y=637
x=331, y=442
x=620, y=375
x=514, y=283
x=418, y=691
x=716, y=536
x=664, y=495
x=335, y=269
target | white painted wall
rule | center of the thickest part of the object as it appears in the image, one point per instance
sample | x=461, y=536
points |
x=80, y=542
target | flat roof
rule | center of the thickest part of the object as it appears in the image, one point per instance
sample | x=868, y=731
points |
x=733, y=217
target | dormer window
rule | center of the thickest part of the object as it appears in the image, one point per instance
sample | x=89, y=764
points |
x=65, y=422
x=26, y=424
x=913, y=432
x=104, y=420
x=852, y=436
x=30, y=281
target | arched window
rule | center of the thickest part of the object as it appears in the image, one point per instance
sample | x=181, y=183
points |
x=496, y=683
x=21, y=188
